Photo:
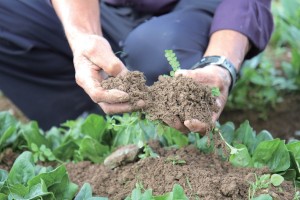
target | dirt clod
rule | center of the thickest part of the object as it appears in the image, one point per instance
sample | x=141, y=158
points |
x=168, y=98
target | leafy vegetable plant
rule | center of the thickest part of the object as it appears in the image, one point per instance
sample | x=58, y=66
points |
x=175, y=160
x=264, y=182
x=30, y=182
x=140, y=193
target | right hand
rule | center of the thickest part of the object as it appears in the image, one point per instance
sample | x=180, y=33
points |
x=92, y=54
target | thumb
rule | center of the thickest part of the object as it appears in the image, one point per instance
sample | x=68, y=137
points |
x=183, y=72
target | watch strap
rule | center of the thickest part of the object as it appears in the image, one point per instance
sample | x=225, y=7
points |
x=219, y=61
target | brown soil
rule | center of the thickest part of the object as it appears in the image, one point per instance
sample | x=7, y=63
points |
x=168, y=98
x=202, y=176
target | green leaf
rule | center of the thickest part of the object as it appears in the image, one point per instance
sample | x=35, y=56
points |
x=264, y=135
x=227, y=131
x=38, y=191
x=215, y=91
x=32, y=134
x=7, y=120
x=172, y=136
x=294, y=147
x=3, y=196
x=94, y=126
x=242, y=158
x=178, y=193
x=50, y=178
x=64, y=189
x=17, y=191
x=276, y=180
x=84, y=193
x=66, y=150
x=22, y=169
x=263, y=197
x=93, y=150
x=3, y=177
x=6, y=135
x=273, y=154
x=245, y=135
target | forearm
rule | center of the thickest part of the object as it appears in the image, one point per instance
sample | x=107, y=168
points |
x=78, y=16
x=231, y=44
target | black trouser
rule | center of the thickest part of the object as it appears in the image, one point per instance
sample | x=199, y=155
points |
x=36, y=69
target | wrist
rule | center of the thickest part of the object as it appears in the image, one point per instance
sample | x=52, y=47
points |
x=219, y=62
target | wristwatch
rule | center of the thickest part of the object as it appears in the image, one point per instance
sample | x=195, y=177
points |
x=219, y=61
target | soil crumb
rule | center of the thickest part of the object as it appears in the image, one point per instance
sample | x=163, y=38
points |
x=181, y=97
x=202, y=176
x=134, y=83
x=168, y=98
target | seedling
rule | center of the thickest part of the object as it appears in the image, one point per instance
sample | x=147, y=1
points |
x=264, y=182
x=175, y=160
x=42, y=153
x=172, y=59
x=148, y=152
x=215, y=91
x=233, y=150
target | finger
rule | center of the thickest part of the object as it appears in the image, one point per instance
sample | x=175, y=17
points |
x=177, y=124
x=120, y=107
x=195, y=125
x=90, y=82
x=101, y=55
x=182, y=72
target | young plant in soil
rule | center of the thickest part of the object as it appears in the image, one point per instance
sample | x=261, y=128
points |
x=264, y=182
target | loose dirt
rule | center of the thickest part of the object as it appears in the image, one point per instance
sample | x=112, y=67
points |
x=202, y=176
x=168, y=98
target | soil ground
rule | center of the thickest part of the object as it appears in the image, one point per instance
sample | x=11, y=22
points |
x=202, y=177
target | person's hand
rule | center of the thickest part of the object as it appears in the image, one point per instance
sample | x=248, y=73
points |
x=93, y=56
x=214, y=76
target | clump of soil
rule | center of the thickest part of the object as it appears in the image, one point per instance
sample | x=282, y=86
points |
x=201, y=176
x=180, y=96
x=167, y=98
x=134, y=83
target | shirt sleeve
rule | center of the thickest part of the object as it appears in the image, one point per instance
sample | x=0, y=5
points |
x=252, y=18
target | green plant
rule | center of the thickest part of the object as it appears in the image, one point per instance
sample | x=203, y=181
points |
x=139, y=193
x=148, y=152
x=27, y=181
x=94, y=137
x=86, y=194
x=263, y=182
x=172, y=59
x=175, y=160
x=215, y=91
x=297, y=195
x=41, y=153
x=266, y=78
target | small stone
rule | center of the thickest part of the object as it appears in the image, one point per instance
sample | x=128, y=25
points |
x=124, y=154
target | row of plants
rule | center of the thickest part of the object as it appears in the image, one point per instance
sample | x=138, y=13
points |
x=95, y=137
x=268, y=77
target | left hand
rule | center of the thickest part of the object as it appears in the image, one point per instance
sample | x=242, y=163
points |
x=214, y=76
